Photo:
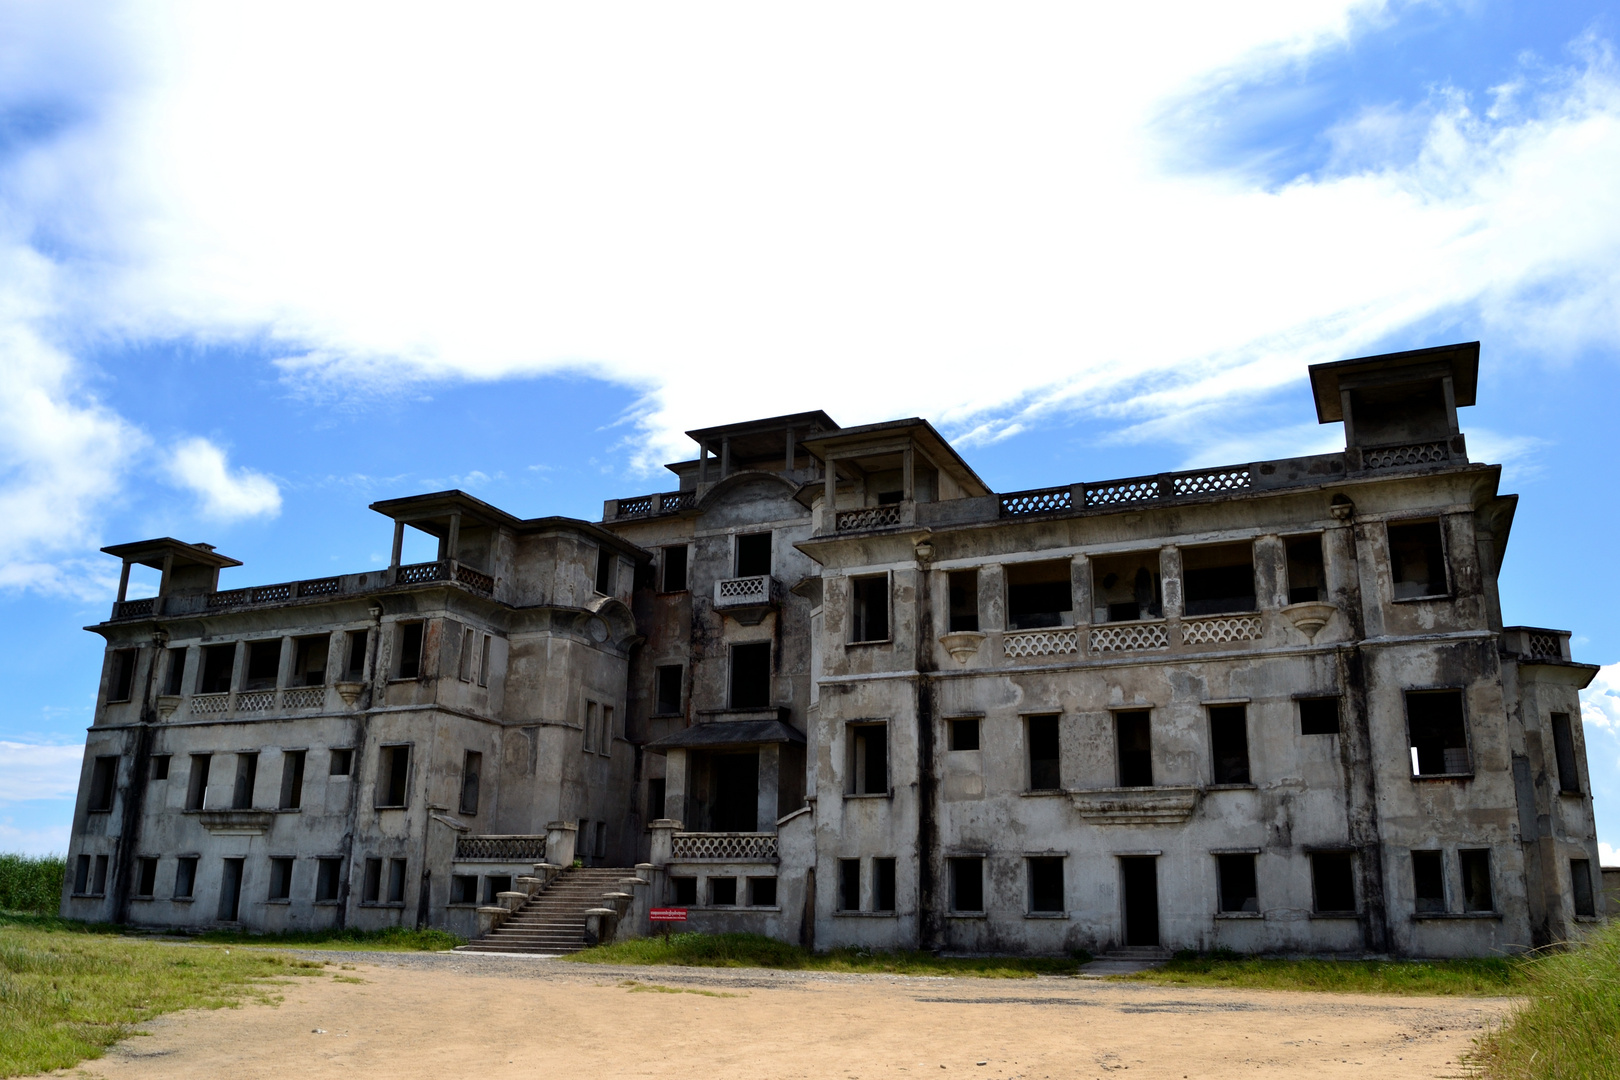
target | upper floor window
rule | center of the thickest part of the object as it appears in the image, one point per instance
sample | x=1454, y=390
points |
x=309, y=660
x=122, y=677
x=1229, y=743
x=263, y=665
x=869, y=608
x=753, y=554
x=103, y=784
x=1569, y=777
x=214, y=675
x=393, y=775
x=667, y=690
x=1438, y=733
x=675, y=568
x=868, y=772
x=354, y=667
x=751, y=675
x=1307, y=575
x=1319, y=716
x=964, y=733
x=604, y=571
x=964, y=586
x=174, y=680
x=1127, y=587
x=1218, y=579
x=1045, y=766
x=1417, y=559
x=472, y=766
x=1134, y=748
x=1038, y=594
x=409, y=664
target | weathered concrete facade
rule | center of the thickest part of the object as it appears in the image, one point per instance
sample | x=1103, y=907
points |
x=834, y=689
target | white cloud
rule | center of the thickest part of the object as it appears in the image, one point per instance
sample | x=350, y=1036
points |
x=1608, y=854
x=50, y=840
x=199, y=465
x=34, y=771
x=1600, y=701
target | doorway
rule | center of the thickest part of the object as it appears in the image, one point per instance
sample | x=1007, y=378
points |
x=1140, y=875
x=734, y=805
x=230, y=890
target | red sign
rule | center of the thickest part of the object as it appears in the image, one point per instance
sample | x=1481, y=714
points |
x=668, y=914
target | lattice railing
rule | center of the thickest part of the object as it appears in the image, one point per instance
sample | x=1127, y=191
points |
x=641, y=504
x=274, y=594
x=1040, y=501
x=136, y=609
x=1202, y=483
x=476, y=580
x=515, y=849
x=421, y=573
x=667, y=502
x=303, y=697
x=1125, y=637
x=210, y=704
x=1219, y=629
x=868, y=517
x=726, y=846
x=672, y=501
x=326, y=586
x=1543, y=644
x=255, y=700
x=744, y=590
x=1020, y=644
x=1392, y=457
x=1113, y=492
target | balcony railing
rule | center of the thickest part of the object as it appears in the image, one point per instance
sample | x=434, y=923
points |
x=1394, y=457
x=511, y=848
x=1220, y=629
x=667, y=502
x=724, y=846
x=743, y=591
x=1536, y=643
x=1129, y=636
x=445, y=570
x=867, y=517
x=1022, y=644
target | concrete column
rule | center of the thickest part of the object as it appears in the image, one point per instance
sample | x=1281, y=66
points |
x=399, y=545
x=168, y=577
x=725, y=457
x=289, y=657
x=789, y=466
x=123, y=582
x=560, y=837
x=1170, y=578
x=829, y=501
x=770, y=782
x=677, y=778
x=662, y=845
x=1080, y=589
x=703, y=463
x=1270, y=572
x=908, y=475
x=993, y=597
x=453, y=542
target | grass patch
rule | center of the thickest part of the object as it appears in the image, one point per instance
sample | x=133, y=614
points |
x=1491, y=977
x=30, y=883
x=756, y=950
x=655, y=988
x=392, y=939
x=68, y=991
x=1570, y=1028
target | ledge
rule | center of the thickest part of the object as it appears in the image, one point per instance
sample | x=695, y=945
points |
x=1240, y=914
x=869, y=794
x=1046, y=914
x=236, y=822
x=866, y=914
x=1442, y=916
x=967, y=915
x=1343, y=916
x=1417, y=777
x=1136, y=805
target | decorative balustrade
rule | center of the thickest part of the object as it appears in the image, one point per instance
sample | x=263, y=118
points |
x=1127, y=637
x=743, y=590
x=303, y=697
x=255, y=700
x=1543, y=644
x=512, y=849
x=1039, y=501
x=1536, y=642
x=1230, y=479
x=1022, y=644
x=210, y=704
x=1113, y=492
x=724, y=846
x=421, y=573
x=636, y=507
x=1220, y=629
x=867, y=517
x=1394, y=457
x=475, y=580
x=136, y=609
x=666, y=502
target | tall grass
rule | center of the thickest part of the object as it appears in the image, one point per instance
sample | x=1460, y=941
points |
x=1570, y=1028
x=1479, y=977
x=756, y=950
x=31, y=882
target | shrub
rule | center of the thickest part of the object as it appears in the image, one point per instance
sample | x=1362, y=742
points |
x=31, y=882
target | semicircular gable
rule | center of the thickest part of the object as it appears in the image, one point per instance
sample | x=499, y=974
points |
x=745, y=497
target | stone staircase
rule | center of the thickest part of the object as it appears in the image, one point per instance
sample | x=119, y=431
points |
x=553, y=919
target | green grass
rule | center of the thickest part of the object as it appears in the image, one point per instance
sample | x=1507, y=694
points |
x=31, y=883
x=1491, y=977
x=755, y=950
x=68, y=990
x=1570, y=1027
x=392, y=939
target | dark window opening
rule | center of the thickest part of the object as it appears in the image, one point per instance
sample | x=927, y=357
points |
x=1044, y=754
x=1238, y=890
x=396, y=881
x=1135, y=748
x=684, y=891
x=675, y=568
x=1428, y=883
x=309, y=660
x=122, y=681
x=1569, y=776
x=1580, y=878
x=601, y=839
x=494, y=885
x=340, y=763
x=410, y=651
x=891, y=498
x=464, y=888
x=197, y=783
x=103, y=784
x=483, y=662
x=604, y=571
x=472, y=764
x=1319, y=716
x=263, y=665
x=1038, y=594
x=1439, y=737
x=1417, y=559
x=883, y=892
x=81, y=876
x=98, y=882
x=964, y=733
x=214, y=675
x=868, y=759
x=667, y=690
x=160, y=766
x=145, y=877
x=393, y=775
x=174, y=680
x=328, y=877
x=723, y=891
x=761, y=892
x=464, y=663
x=751, y=676
x=1334, y=881
x=1307, y=577
x=1127, y=587
x=371, y=884
x=734, y=791
x=281, y=879
x=655, y=798
x=354, y=670
x=247, y=778
x=964, y=586
x=1218, y=579
x=753, y=554
x=849, y=884
x=292, y=779
x=967, y=885
x=869, y=602
x=1140, y=876
x=1229, y=743
x=1046, y=885
x=185, y=878
x=230, y=890
x=1476, y=875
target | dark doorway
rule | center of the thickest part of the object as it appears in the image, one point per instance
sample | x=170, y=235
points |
x=230, y=890
x=1141, y=877
x=734, y=804
x=751, y=675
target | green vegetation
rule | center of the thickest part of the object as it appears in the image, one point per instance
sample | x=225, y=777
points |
x=68, y=991
x=31, y=883
x=392, y=939
x=1466, y=978
x=756, y=950
x=1570, y=1028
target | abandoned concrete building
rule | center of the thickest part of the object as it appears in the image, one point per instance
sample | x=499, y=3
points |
x=833, y=689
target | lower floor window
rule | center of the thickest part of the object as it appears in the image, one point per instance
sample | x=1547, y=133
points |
x=281, y=879
x=1580, y=877
x=1239, y=892
x=146, y=877
x=1428, y=883
x=1476, y=875
x=762, y=892
x=1333, y=881
x=1046, y=885
x=328, y=873
x=684, y=891
x=494, y=885
x=967, y=884
x=464, y=889
x=723, y=891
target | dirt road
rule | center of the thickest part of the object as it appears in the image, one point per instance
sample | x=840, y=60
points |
x=451, y=1016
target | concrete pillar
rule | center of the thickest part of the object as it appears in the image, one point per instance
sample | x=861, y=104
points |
x=725, y=457
x=677, y=777
x=993, y=597
x=908, y=475
x=399, y=545
x=560, y=836
x=703, y=463
x=789, y=466
x=829, y=500
x=662, y=845
x=1270, y=572
x=1170, y=577
x=289, y=657
x=1080, y=589
x=123, y=582
x=453, y=542
x=770, y=783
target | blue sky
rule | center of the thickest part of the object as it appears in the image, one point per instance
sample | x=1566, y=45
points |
x=253, y=277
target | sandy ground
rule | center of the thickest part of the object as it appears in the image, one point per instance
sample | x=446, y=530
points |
x=451, y=1016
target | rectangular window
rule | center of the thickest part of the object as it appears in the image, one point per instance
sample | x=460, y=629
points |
x=964, y=733
x=197, y=783
x=883, y=885
x=1133, y=735
x=684, y=891
x=604, y=571
x=1319, y=716
x=1218, y=579
x=1569, y=776
x=309, y=660
x=483, y=663
x=605, y=745
x=98, y=883
x=494, y=885
x=174, y=680
x=121, y=680
x=328, y=878
x=1038, y=594
x=1046, y=885
x=160, y=766
x=247, y=778
x=103, y=784
x=1333, y=880
x=751, y=676
x=761, y=892
x=263, y=665
x=1229, y=743
x=1476, y=875
x=340, y=762
x=1417, y=559
x=655, y=797
x=849, y=884
x=396, y=881
x=464, y=888
x=1580, y=880
x=354, y=668
x=667, y=690
x=967, y=884
x=214, y=673
x=393, y=775
x=601, y=839
x=1044, y=766
x=409, y=665
x=868, y=759
x=464, y=662
x=185, y=877
x=869, y=604
x=1127, y=587
x=230, y=890
x=371, y=886
x=81, y=876
x=1428, y=883
x=1238, y=892
x=472, y=765
x=588, y=740
x=145, y=877
x=582, y=838
x=964, y=586
x=753, y=554
x=1307, y=577
x=723, y=891
x=1438, y=734
x=675, y=568
x=281, y=879
x=292, y=779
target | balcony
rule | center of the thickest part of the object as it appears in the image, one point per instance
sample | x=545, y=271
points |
x=1534, y=643
x=1136, y=805
x=511, y=848
x=647, y=506
x=747, y=599
x=724, y=847
x=249, y=704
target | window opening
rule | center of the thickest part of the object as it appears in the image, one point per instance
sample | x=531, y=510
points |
x=1428, y=883
x=1038, y=594
x=1319, y=716
x=494, y=885
x=761, y=892
x=1569, y=777
x=675, y=568
x=891, y=498
x=964, y=588
x=604, y=571
x=849, y=884
x=870, y=608
x=371, y=884
x=174, y=680
x=1218, y=579
x=1140, y=876
x=1307, y=576
x=868, y=759
x=1439, y=736
x=588, y=740
x=483, y=663
x=883, y=892
x=472, y=764
x=145, y=877
x=964, y=733
x=1580, y=877
x=967, y=884
x=601, y=839
x=1476, y=875
x=684, y=890
x=230, y=890
x=733, y=791
x=1417, y=559
x=122, y=681
x=751, y=675
x=396, y=881
x=655, y=798
x=607, y=731
x=185, y=877
x=328, y=875
x=103, y=784
x=214, y=674
x=1334, y=881
x=98, y=883
x=281, y=879
x=723, y=891
x=1229, y=743
x=292, y=779
x=464, y=662
x=1238, y=890
x=81, y=876
x=1046, y=885
x=247, y=777
x=753, y=554
x=1044, y=754
x=667, y=690
x=464, y=888
x=410, y=651
x=355, y=669
x=197, y=783
x=309, y=660
x=1127, y=587
x=263, y=665
x=1135, y=748
x=160, y=766
x=340, y=762
x=393, y=773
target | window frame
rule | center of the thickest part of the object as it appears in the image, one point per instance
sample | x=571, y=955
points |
x=1210, y=709
x=955, y=865
x=737, y=553
x=281, y=874
x=1464, y=857
x=663, y=569
x=472, y=769
x=951, y=729
x=1029, y=752
x=1444, y=899
x=1569, y=779
x=845, y=879
x=858, y=763
x=1349, y=855
x=1221, y=908
x=658, y=701
x=103, y=793
x=121, y=674
x=731, y=673
x=378, y=792
x=1045, y=858
x=398, y=665
x=1119, y=754
x=1467, y=731
x=859, y=624
x=1338, y=713
x=1448, y=587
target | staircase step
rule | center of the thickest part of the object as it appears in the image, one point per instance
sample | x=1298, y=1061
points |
x=553, y=920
